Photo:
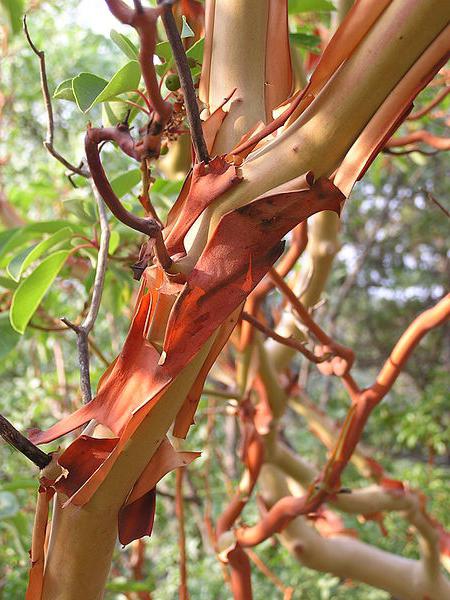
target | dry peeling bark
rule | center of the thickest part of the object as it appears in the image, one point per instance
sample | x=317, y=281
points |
x=241, y=208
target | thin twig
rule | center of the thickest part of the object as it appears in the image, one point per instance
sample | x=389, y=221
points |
x=442, y=94
x=438, y=204
x=261, y=565
x=179, y=511
x=228, y=395
x=342, y=351
x=11, y=435
x=48, y=143
x=86, y=326
x=100, y=272
x=291, y=342
x=187, y=85
x=144, y=198
x=83, y=359
x=410, y=151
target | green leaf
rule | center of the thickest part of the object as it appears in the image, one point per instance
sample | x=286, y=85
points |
x=31, y=290
x=51, y=226
x=299, y=6
x=164, y=52
x=8, y=337
x=196, y=51
x=15, y=10
x=14, y=243
x=82, y=210
x=125, y=44
x=64, y=91
x=125, y=182
x=116, y=111
x=7, y=283
x=6, y=239
x=24, y=259
x=186, y=31
x=113, y=113
x=15, y=263
x=305, y=40
x=114, y=241
x=16, y=238
x=86, y=88
x=125, y=80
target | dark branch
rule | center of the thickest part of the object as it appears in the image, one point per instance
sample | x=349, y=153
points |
x=291, y=342
x=148, y=226
x=48, y=143
x=438, y=204
x=11, y=435
x=410, y=151
x=187, y=85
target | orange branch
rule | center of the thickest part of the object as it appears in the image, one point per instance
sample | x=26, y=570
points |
x=290, y=342
x=343, y=361
x=426, y=109
x=363, y=402
x=435, y=141
x=241, y=582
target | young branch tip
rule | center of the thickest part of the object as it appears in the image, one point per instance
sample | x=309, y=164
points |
x=49, y=140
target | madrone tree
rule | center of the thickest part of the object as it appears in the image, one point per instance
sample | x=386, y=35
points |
x=277, y=146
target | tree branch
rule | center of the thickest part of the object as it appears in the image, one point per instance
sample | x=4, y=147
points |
x=49, y=140
x=187, y=84
x=363, y=402
x=86, y=326
x=440, y=96
x=291, y=342
x=440, y=143
x=342, y=353
x=342, y=555
x=148, y=226
x=11, y=435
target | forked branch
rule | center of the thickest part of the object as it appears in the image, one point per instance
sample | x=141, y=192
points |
x=363, y=402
